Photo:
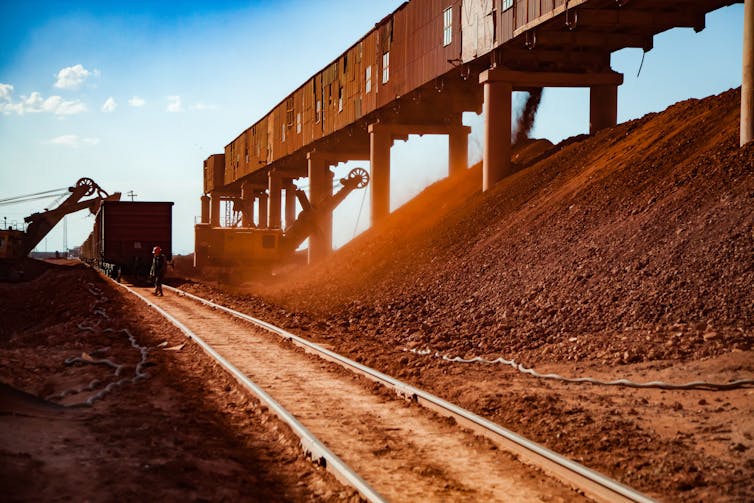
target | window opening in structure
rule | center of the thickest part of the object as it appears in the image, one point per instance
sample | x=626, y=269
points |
x=289, y=105
x=282, y=128
x=298, y=123
x=368, y=78
x=386, y=67
x=319, y=111
x=447, y=26
x=507, y=4
x=340, y=99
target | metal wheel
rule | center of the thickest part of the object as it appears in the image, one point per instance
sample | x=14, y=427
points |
x=362, y=175
x=89, y=184
x=91, y=187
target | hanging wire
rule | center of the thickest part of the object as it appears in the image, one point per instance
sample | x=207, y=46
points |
x=58, y=200
x=28, y=199
x=34, y=196
x=641, y=64
x=356, y=227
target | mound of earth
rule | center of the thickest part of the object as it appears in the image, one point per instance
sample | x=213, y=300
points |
x=637, y=242
x=626, y=254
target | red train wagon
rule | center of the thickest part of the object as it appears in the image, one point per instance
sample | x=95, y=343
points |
x=125, y=232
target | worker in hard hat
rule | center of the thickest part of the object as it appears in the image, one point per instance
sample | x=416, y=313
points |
x=159, y=267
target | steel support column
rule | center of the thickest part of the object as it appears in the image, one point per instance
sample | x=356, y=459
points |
x=320, y=188
x=458, y=149
x=262, y=210
x=380, y=141
x=290, y=202
x=747, y=80
x=603, y=107
x=247, y=205
x=214, y=210
x=496, y=161
x=205, y=209
x=275, y=202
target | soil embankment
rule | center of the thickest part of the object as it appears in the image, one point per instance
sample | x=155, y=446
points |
x=627, y=254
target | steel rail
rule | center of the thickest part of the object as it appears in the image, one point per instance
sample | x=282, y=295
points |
x=312, y=446
x=594, y=484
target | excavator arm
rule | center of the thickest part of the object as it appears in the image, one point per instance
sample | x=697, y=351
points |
x=42, y=223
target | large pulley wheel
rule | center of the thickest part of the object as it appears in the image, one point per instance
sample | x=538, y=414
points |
x=91, y=187
x=361, y=175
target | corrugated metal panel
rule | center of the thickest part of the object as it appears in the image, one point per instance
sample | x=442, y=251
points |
x=507, y=25
x=351, y=86
x=128, y=230
x=214, y=172
x=369, y=61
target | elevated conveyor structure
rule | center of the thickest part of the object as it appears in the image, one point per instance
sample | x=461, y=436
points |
x=416, y=72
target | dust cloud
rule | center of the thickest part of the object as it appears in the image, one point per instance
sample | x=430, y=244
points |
x=525, y=121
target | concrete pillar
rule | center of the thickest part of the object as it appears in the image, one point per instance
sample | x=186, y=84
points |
x=205, y=209
x=247, y=205
x=747, y=80
x=380, y=142
x=274, y=184
x=458, y=150
x=214, y=210
x=496, y=161
x=603, y=107
x=320, y=188
x=262, y=198
x=290, y=202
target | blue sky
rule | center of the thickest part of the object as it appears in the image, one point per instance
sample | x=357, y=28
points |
x=136, y=95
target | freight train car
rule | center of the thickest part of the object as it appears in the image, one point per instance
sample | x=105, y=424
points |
x=124, y=234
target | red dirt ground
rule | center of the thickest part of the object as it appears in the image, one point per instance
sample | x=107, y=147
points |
x=185, y=433
x=628, y=254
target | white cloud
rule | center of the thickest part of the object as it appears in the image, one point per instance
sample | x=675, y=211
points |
x=73, y=141
x=136, y=102
x=9, y=108
x=72, y=77
x=6, y=90
x=199, y=106
x=70, y=107
x=110, y=105
x=36, y=103
x=174, y=104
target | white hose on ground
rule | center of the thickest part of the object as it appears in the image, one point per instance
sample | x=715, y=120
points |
x=139, y=373
x=698, y=385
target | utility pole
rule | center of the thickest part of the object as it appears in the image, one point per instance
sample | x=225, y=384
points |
x=131, y=194
x=747, y=81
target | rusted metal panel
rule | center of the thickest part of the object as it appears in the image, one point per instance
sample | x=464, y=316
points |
x=233, y=151
x=427, y=54
x=369, y=72
x=214, y=172
x=521, y=11
x=126, y=231
x=506, y=25
x=478, y=28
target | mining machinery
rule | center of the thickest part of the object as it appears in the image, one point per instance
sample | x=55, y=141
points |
x=16, y=244
x=261, y=249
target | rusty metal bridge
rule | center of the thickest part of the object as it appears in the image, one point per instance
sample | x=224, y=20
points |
x=416, y=72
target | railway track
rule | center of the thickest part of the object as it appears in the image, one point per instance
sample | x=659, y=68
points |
x=387, y=449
